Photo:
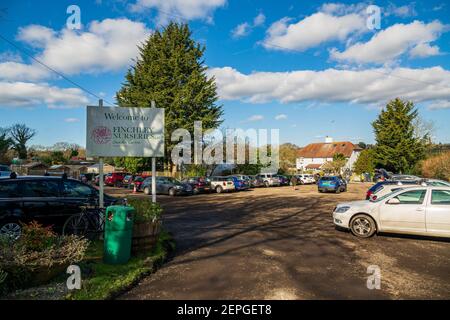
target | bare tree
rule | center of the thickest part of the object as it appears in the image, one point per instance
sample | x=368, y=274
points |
x=5, y=143
x=20, y=135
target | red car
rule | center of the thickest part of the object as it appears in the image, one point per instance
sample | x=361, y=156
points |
x=137, y=181
x=114, y=179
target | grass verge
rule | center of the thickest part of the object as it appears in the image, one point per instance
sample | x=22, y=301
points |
x=103, y=282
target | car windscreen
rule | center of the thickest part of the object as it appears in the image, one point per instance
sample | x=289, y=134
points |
x=328, y=178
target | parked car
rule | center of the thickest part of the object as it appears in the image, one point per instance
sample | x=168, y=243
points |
x=332, y=183
x=270, y=179
x=4, y=171
x=414, y=210
x=198, y=184
x=114, y=179
x=306, y=179
x=221, y=184
x=256, y=181
x=284, y=181
x=137, y=181
x=379, y=186
x=403, y=177
x=240, y=183
x=436, y=183
x=381, y=175
x=166, y=185
x=128, y=180
x=47, y=200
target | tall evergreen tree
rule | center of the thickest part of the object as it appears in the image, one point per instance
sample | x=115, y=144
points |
x=398, y=148
x=171, y=72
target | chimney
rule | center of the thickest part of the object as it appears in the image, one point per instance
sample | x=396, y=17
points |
x=328, y=139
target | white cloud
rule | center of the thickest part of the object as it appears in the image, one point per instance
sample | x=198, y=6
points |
x=256, y=117
x=244, y=29
x=71, y=120
x=401, y=11
x=423, y=50
x=440, y=104
x=313, y=30
x=241, y=30
x=391, y=43
x=18, y=94
x=179, y=9
x=371, y=86
x=107, y=45
x=281, y=117
x=259, y=20
x=15, y=71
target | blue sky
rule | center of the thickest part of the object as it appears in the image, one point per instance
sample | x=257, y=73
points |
x=309, y=68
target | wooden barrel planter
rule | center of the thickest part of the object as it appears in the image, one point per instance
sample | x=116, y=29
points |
x=144, y=237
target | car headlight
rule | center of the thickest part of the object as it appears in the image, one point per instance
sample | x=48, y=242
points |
x=178, y=187
x=342, y=209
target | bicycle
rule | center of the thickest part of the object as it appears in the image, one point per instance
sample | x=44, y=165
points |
x=89, y=223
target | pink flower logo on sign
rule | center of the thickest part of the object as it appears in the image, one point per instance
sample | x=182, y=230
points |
x=101, y=135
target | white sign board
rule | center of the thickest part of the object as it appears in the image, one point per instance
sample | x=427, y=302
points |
x=124, y=132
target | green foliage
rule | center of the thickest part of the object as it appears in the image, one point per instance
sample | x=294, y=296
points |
x=57, y=157
x=339, y=157
x=194, y=170
x=398, y=147
x=146, y=210
x=106, y=281
x=288, y=156
x=133, y=165
x=249, y=169
x=170, y=71
x=365, y=162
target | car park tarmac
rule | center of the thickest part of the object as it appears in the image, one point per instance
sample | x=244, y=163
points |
x=280, y=243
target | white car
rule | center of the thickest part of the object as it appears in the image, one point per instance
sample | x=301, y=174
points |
x=306, y=178
x=423, y=210
x=221, y=184
x=270, y=179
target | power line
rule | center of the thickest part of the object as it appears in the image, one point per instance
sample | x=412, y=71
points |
x=51, y=69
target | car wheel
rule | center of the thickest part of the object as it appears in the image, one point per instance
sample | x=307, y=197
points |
x=195, y=191
x=266, y=184
x=11, y=230
x=171, y=192
x=147, y=190
x=219, y=189
x=363, y=226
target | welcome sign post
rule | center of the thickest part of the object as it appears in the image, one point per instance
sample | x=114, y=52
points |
x=124, y=132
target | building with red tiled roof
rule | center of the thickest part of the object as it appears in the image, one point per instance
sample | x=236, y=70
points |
x=314, y=155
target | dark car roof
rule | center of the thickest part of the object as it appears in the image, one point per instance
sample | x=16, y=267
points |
x=24, y=178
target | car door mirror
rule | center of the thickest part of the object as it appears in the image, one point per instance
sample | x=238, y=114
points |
x=393, y=201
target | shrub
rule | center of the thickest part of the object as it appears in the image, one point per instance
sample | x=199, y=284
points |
x=37, y=255
x=437, y=166
x=146, y=210
x=35, y=237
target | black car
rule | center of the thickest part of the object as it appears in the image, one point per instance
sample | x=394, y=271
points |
x=47, y=200
x=377, y=186
x=166, y=185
